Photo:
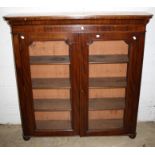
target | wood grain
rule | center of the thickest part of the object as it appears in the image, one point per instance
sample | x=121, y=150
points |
x=51, y=93
x=48, y=48
x=117, y=82
x=50, y=60
x=105, y=59
x=102, y=18
x=110, y=92
x=105, y=124
x=107, y=70
x=49, y=71
x=50, y=83
x=53, y=125
x=52, y=115
x=106, y=103
x=108, y=47
x=106, y=114
x=52, y=105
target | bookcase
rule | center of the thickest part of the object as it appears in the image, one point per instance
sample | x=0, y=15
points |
x=79, y=74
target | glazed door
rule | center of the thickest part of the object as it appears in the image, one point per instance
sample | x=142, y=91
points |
x=51, y=83
x=109, y=83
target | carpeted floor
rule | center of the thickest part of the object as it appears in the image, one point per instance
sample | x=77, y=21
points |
x=11, y=135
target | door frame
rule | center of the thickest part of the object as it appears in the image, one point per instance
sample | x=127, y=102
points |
x=70, y=40
x=134, y=40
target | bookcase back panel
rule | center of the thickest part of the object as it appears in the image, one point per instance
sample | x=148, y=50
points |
x=106, y=114
x=50, y=71
x=107, y=93
x=107, y=70
x=49, y=48
x=51, y=93
x=52, y=115
x=108, y=48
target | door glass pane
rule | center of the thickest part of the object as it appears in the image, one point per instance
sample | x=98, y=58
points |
x=50, y=74
x=107, y=84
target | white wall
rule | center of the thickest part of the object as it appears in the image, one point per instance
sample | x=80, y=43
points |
x=9, y=110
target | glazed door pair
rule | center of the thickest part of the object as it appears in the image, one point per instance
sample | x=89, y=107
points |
x=76, y=84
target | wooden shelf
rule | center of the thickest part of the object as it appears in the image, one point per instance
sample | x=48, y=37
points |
x=105, y=124
x=106, y=104
x=108, y=58
x=49, y=60
x=52, y=105
x=51, y=83
x=53, y=125
x=114, y=82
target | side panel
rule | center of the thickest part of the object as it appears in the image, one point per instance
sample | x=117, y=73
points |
x=134, y=81
x=25, y=105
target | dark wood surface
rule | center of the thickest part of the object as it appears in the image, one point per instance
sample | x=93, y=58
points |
x=106, y=103
x=27, y=86
x=51, y=83
x=52, y=105
x=134, y=81
x=65, y=59
x=87, y=18
x=96, y=59
x=25, y=109
x=117, y=82
x=79, y=31
x=114, y=82
x=49, y=60
x=53, y=125
x=105, y=124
